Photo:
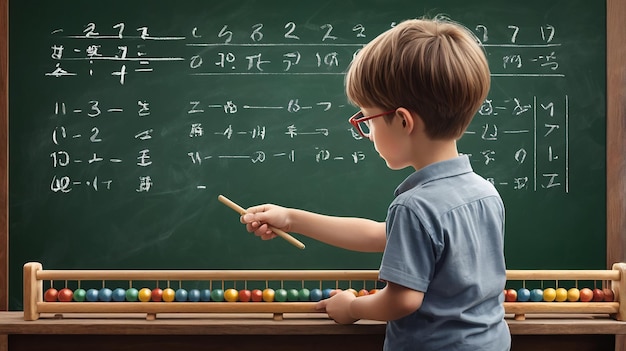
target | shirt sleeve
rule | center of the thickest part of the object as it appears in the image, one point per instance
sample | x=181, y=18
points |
x=410, y=254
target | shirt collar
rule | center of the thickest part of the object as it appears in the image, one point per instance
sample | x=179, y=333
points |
x=438, y=170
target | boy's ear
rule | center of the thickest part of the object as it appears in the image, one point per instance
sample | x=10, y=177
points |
x=408, y=120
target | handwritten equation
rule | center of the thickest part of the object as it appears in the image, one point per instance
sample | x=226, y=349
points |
x=519, y=142
x=258, y=53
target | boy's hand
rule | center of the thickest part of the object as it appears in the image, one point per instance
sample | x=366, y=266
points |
x=338, y=306
x=258, y=219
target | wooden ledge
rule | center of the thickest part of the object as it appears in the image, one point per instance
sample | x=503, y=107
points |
x=262, y=323
x=565, y=324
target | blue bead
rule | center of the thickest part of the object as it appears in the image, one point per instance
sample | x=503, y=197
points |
x=92, y=295
x=205, y=295
x=523, y=295
x=104, y=295
x=194, y=295
x=181, y=295
x=316, y=295
x=326, y=293
x=536, y=295
x=119, y=295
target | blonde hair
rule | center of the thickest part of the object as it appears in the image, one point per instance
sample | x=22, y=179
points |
x=435, y=68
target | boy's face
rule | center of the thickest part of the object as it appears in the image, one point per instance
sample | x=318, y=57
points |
x=387, y=138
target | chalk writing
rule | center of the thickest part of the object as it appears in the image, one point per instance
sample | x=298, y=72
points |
x=534, y=128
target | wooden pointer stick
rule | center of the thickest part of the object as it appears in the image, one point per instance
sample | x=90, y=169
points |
x=293, y=241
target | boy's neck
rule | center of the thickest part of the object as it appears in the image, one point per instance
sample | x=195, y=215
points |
x=433, y=151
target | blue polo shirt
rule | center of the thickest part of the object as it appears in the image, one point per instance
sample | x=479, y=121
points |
x=445, y=238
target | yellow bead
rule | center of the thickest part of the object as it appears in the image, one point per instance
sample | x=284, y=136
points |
x=231, y=295
x=549, y=295
x=561, y=295
x=573, y=295
x=268, y=295
x=169, y=295
x=144, y=295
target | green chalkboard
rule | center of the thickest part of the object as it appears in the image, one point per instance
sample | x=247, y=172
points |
x=127, y=119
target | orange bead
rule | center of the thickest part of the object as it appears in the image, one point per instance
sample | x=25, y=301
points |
x=169, y=295
x=268, y=295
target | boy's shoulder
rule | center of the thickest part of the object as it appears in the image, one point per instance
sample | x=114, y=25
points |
x=456, y=172
x=444, y=185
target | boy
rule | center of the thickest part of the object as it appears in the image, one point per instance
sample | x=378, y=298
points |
x=419, y=85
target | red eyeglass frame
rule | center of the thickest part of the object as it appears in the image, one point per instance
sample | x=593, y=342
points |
x=358, y=118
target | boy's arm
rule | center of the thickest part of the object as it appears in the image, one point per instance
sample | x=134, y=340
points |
x=391, y=303
x=357, y=234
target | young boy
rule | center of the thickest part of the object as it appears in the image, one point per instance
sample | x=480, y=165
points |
x=419, y=85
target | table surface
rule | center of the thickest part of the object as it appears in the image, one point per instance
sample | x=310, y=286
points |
x=258, y=323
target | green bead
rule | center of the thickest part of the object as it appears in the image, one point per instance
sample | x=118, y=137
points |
x=132, y=294
x=280, y=295
x=292, y=295
x=217, y=295
x=79, y=295
x=304, y=294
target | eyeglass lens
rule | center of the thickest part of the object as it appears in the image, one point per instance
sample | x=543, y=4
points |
x=365, y=127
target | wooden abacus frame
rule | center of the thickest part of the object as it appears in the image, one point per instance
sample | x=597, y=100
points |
x=34, y=275
x=616, y=277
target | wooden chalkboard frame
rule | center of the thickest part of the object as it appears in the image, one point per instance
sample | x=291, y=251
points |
x=615, y=139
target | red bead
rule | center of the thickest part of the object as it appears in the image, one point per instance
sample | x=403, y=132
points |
x=51, y=295
x=65, y=295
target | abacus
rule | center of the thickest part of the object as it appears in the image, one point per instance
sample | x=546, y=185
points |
x=361, y=282
x=34, y=277
x=613, y=281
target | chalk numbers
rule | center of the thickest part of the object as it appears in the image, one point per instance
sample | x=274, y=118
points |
x=546, y=32
x=66, y=135
x=124, y=54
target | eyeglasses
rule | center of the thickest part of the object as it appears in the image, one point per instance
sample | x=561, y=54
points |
x=361, y=123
